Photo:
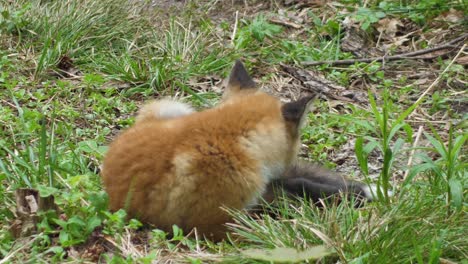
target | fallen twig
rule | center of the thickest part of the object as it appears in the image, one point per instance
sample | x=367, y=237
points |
x=316, y=83
x=407, y=55
x=285, y=23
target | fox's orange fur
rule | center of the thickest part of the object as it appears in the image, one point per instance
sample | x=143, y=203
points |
x=183, y=169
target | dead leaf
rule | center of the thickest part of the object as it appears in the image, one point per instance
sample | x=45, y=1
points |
x=462, y=60
x=207, y=83
x=421, y=81
x=356, y=40
x=451, y=16
x=349, y=22
x=388, y=27
x=396, y=42
x=65, y=63
x=93, y=252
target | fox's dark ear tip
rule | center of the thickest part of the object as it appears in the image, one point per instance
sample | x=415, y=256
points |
x=238, y=63
x=293, y=111
x=314, y=95
x=238, y=67
x=240, y=77
x=306, y=99
x=310, y=97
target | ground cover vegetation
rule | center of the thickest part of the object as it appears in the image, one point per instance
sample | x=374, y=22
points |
x=73, y=74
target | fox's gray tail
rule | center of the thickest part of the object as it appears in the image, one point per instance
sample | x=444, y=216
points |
x=310, y=181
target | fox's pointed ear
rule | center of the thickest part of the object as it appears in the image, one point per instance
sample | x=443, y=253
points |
x=238, y=80
x=294, y=112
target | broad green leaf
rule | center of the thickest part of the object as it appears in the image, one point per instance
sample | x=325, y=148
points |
x=456, y=191
x=394, y=130
x=396, y=149
x=409, y=132
x=380, y=14
x=416, y=169
x=87, y=146
x=376, y=112
x=360, y=259
x=407, y=112
x=363, y=123
x=287, y=254
x=177, y=232
x=55, y=250
x=92, y=223
x=440, y=148
x=370, y=146
x=459, y=142
x=45, y=191
x=60, y=222
x=398, y=144
x=4, y=169
x=64, y=238
x=361, y=155
x=76, y=220
x=388, y=156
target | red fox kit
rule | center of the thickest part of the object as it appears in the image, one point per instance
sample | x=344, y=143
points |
x=300, y=180
x=177, y=166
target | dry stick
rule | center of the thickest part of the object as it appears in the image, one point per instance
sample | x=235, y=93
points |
x=12, y=253
x=436, y=81
x=235, y=28
x=124, y=248
x=408, y=55
x=415, y=144
x=285, y=23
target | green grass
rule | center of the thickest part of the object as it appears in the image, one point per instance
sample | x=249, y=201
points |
x=373, y=235
x=55, y=126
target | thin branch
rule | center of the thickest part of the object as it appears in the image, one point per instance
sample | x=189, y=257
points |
x=235, y=28
x=407, y=55
x=410, y=160
x=436, y=81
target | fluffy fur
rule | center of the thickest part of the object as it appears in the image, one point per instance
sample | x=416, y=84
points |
x=182, y=169
x=163, y=109
x=301, y=180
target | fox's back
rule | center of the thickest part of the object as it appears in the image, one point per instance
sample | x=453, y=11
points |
x=154, y=142
x=202, y=160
